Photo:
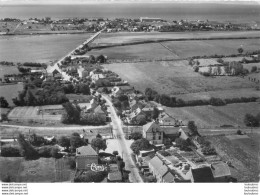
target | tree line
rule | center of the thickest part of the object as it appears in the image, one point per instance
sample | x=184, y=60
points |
x=169, y=101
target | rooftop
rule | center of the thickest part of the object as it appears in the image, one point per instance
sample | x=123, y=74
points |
x=85, y=151
x=202, y=174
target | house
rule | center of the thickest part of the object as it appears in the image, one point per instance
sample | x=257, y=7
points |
x=132, y=117
x=221, y=172
x=134, y=104
x=85, y=156
x=82, y=72
x=93, y=105
x=96, y=77
x=166, y=120
x=153, y=133
x=202, y=174
x=160, y=171
x=102, y=114
x=183, y=135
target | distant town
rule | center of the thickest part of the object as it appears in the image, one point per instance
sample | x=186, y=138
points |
x=48, y=25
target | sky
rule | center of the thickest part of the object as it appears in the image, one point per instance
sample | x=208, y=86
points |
x=118, y=1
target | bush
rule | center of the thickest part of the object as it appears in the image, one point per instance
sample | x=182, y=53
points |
x=251, y=121
x=55, y=153
x=254, y=69
x=208, y=150
x=9, y=151
x=136, y=135
x=140, y=144
x=44, y=151
x=72, y=163
x=239, y=132
x=182, y=144
x=216, y=102
x=91, y=176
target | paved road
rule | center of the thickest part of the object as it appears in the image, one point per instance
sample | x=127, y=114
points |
x=65, y=128
x=57, y=65
x=124, y=149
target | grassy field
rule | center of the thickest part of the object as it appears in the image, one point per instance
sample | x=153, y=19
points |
x=175, y=78
x=10, y=91
x=213, y=116
x=175, y=49
x=150, y=51
x=243, y=152
x=20, y=170
x=111, y=38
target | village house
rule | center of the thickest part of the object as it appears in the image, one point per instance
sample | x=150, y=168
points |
x=166, y=120
x=153, y=133
x=85, y=156
x=160, y=171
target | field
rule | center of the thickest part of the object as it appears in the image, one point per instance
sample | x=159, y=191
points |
x=20, y=170
x=128, y=37
x=175, y=78
x=41, y=170
x=10, y=91
x=175, y=49
x=215, y=116
x=32, y=113
x=150, y=51
x=242, y=152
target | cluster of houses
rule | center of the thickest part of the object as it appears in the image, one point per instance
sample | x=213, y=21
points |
x=175, y=165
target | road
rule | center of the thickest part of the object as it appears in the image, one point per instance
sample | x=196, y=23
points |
x=124, y=149
x=57, y=65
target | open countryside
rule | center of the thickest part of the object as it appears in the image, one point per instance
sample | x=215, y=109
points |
x=123, y=100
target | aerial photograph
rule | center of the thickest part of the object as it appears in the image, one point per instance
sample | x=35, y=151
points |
x=129, y=91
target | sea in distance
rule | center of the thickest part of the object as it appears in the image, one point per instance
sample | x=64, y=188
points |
x=168, y=11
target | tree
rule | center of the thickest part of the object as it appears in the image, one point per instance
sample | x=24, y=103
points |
x=3, y=103
x=115, y=153
x=251, y=121
x=98, y=144
x=91, y=176
x=84, y=89
x=92, y=59
x=64, y=142
x=141, y=120
x=36, y=140
x=55, y=153
x=29, y=98
x=136, y=135
x=75, y=142
x=220, y=60
x=253, y=69
x=193, y=128
x=26, y=149
x=240, y=50
x=155, y=113
x=9, y=151
x=72, y=114
x=140, y=144
x=182, y=144
x=101, y=59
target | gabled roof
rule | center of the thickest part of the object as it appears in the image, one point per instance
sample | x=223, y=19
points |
x=168, y=178
x=220, y=170
x=98, y=110
x=183, y=134
x=86, y=151
x=152, y=126
x=202, y=174
x=157, y=164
